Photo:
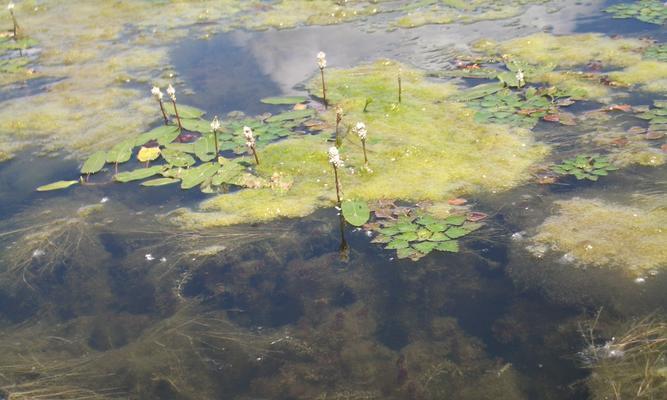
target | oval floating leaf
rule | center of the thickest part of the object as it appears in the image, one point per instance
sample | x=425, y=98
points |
x=205, y=148
x=284, y=100
x=356, y=212
x=185, y=112
x=94, y=163
x=194, y=176
x=160, y=182
x=163, y=134
x=137, y=174
x=177, y=158
x=291, y=115
x=147, y=154
x=121, y=152
x=451, y=246
x=56, y=186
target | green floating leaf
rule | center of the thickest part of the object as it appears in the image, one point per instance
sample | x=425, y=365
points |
x=397, y=244
x=451, y=246
x=425, y=247
x=160, y=182
x=291, y=115
x=407, y=236
x=284, y=100
x=195, y=176
x=456, y=232
x=478, y=91
x=438, y=237
x=137, y=174
x=162, y=134
x=455, y=220
x=121, y=152
x=355, y=212
x=197, y=125
x=94, y=163
x=177, y=158
x=56, y=186
x=205, y=148
x=229, y=174
x=185, y=112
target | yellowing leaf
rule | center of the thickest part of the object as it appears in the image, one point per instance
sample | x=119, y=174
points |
x=147, y=154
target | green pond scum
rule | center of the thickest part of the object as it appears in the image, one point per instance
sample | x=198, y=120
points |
x=418, y=200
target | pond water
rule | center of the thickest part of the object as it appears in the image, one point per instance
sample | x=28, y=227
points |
x=512, y=244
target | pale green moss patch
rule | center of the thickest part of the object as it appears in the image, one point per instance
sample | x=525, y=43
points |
x=426, y=148
x=599, y=233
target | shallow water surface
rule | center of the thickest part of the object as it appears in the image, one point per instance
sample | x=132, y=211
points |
x=114, y=291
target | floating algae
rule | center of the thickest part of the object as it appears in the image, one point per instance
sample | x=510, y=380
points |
x=425, y=148
x=600, y=233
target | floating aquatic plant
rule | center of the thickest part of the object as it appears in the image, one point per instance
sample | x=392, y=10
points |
x=414, y=236
x=355, y=212
x=322, y=63
x=656, y=52
x=657, y=119
x=504, y=106
x=585, y=166
x=651, y=11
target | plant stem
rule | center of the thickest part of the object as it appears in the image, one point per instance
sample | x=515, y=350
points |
x=215, y=138
x=164, y=114
x=337, y=184
x=363, y=144
x=16, y=25
x=400, y=87
x=178, y=118
x=324, y=89
x=254, y=153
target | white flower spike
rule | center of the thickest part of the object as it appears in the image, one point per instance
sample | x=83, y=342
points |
x=249, y=137
x=215, y=124
x=11, y=6
x=360, y=130
x=171, y=92
x=157, y=93
x=334, y=157
x=321, y=60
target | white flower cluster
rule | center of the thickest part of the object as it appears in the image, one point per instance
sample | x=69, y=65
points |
x=360, y=130
x=171, y=92
x=11, y=6
x=157, y=93
x=520, y=77
x=249, y=137
x=215, y=124
x=321, y=60
x=334, y=157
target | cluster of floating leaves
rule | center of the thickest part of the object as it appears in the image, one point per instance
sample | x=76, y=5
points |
x=414, y=237
x=190, y=155
x=509, y=102
x=656, y=52
x=657, y=119
x=585, y=166
x=523, y=108
x=413, y=233
x=651, y=11
x=12, y=57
